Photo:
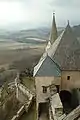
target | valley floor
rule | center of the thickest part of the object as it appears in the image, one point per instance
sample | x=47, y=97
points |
x=26, y=55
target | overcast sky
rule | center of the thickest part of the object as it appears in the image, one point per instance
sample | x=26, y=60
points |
x=38, y=13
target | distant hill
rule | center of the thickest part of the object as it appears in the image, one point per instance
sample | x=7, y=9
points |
x=34, y=36
x=41, y=33
x=76, y=29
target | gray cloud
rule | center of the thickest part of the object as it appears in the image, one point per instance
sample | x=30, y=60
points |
x=36, y=13
x=65, y=3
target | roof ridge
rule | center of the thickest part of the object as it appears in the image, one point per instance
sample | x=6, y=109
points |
x=60, y=37
x=54, y=46
x=38, y=66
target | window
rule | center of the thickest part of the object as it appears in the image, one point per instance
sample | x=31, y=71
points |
x=68, y=77
x=44, y=89
x=57, y=86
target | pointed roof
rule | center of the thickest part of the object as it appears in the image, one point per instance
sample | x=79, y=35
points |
x=46, y=67
x=64, y=54
x=53, y=34
x=65, y=51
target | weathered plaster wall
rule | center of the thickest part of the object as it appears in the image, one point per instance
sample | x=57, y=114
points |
x=44, y=81
x=39, y=82
x=73, y=82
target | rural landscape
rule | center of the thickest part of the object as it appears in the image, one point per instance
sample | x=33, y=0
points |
x=39, y=60
x=19, y=55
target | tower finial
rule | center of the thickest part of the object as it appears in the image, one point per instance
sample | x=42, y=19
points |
x=53, y=13
x=68, y=22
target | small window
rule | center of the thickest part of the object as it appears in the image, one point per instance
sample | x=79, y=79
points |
x=57, y=86
x=68, y=77
x=44, y=89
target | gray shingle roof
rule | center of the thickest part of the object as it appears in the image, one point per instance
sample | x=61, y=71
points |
x=37, y=67
x=65, y=51
x=47, y=67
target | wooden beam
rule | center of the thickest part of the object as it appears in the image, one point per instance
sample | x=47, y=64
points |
x=74, y=114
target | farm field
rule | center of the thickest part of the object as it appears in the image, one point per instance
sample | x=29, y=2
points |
x=11, y=51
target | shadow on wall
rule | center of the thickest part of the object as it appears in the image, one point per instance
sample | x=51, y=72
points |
x=43, y=108
x=75, y=97
x=69, y=100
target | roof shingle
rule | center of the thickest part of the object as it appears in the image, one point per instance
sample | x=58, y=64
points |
x=67, y=53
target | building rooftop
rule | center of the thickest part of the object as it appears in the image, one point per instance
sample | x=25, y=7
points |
x=62, y=54
x=65, y=51
x=47, y=67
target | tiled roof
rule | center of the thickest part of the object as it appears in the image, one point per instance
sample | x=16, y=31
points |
x=47, y=67
x=37, y=67
x=65, y=51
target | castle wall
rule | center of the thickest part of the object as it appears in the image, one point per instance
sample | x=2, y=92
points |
x=70, y=80
x=39, y=82
x=44, y=81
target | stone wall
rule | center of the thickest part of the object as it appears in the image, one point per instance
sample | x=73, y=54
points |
x=39, y=82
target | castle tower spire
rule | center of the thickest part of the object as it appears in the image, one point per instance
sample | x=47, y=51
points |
x=68, y=22
x=53, y=34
